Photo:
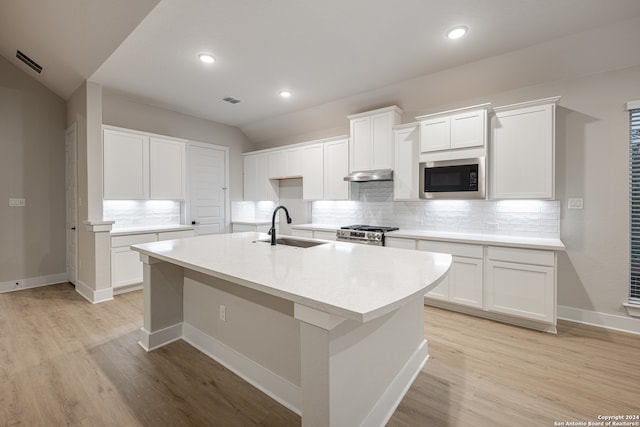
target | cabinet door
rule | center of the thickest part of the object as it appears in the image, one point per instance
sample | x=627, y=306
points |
x=126, y=267
x=521, y=290
x=360, y=145
x=468, y=129
x=250, y=164
x=465, y=281
x=522, y=159
x=399, y=242
x=435, y=134
x=166, y=169
x=382, y=140
x=406, y=162
x=276, y=165
x=293, y=163
x=126, y=165
x=336, y=167
x=313, y=172
x=325, y=235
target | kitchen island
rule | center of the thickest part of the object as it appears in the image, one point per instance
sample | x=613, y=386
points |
x=334, y=331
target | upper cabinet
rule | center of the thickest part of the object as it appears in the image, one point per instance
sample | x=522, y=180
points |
x=285, y=163
x=257, y=185
x=313, y=175
x=406, y=162
x=523, y=150
x=336, y=167
x=138, y=166
x=454, y=130
x=371, y=145
x=167, y=161
x=125, y=165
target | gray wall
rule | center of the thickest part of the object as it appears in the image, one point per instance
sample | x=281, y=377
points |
x=118, y=110
x=32, y=166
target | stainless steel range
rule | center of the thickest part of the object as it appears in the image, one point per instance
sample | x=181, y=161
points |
x=365, y=234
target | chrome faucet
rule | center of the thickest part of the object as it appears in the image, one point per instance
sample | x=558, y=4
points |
x=272, y=230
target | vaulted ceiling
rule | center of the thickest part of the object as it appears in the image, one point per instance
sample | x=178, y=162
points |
x=322, y=51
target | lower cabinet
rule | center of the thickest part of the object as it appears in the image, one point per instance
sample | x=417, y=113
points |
x=521, y=282
x=512, y=285
x=261, y=228
x=314, y=234
x=463, y=285
x=126, y=267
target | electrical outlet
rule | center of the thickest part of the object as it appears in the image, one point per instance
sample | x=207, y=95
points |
x=17, y=202
x=223, y=313
x=575, y=203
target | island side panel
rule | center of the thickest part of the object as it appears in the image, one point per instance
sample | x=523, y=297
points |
x=162, y=299
x=258, y=338
x=357, y=373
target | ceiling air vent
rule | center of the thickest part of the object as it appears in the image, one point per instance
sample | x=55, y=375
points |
x=231, y=100
x=30, y=62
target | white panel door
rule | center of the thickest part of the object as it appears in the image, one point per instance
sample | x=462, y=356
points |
x=435, y=134
x=71, y=188
x=382, y=141
x=465, y=281
x=360, y=145
x=207, y=184
x=468, y=129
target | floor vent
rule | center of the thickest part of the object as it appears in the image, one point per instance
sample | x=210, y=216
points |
x=30, y=62
x=231, y=99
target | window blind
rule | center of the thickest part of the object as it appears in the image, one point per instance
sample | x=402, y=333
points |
x=634, y=201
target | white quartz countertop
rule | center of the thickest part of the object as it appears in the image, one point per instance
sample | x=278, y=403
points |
x=150, y=229
x=447, y=236
x=358, y=282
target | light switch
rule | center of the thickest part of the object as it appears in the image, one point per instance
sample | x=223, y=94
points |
x=576, y=203
x=17, y=202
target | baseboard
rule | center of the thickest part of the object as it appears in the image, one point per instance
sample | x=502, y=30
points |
x=388, y=403
x=94, y=297
x=152, y=340
x=276, y=387
x=602, y=320
x=33, y=282
x=127, y=288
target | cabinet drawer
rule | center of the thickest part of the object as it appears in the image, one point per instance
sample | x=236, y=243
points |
x=302, y=233
x=522, y=256
x=132, y=239
x=326, y=235
x=168, y=235
x=456, y=249
x=398, y=242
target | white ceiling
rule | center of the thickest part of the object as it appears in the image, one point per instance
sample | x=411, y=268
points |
x=323, y=51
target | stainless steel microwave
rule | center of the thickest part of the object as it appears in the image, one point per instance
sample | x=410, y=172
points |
x=453, y=179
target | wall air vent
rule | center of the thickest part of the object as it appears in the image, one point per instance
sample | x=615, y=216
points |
x=30, y=62
x=231, y=99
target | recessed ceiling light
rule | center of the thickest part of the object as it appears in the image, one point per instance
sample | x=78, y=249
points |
x=207, y=58
x=286, y=93
x=457, y=32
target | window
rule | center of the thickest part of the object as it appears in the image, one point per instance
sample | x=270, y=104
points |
x=634, y=200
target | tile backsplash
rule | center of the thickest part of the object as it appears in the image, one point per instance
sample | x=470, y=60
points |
x=252, y=211
x=141, y=213
x=534, y=218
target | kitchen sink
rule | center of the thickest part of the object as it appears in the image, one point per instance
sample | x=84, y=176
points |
x=294, y=242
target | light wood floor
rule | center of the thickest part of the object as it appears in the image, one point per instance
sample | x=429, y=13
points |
x=64, y=361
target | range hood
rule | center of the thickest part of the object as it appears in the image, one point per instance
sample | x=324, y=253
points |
x=365, y=176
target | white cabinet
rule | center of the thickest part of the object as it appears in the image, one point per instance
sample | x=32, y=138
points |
x=399, y=242
x=257, y=185
x=313, y=172
x=139, y=166
x=314, y=234
x=371, y=144
x=521, y=282
x=167, y=160
x=522, y=162
x=406, y=162
x=464, y=284
x=284, y=164
x=454, y=130
x=261, y=228
x=125, y=165
x=336, y=167
x=126, y=267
